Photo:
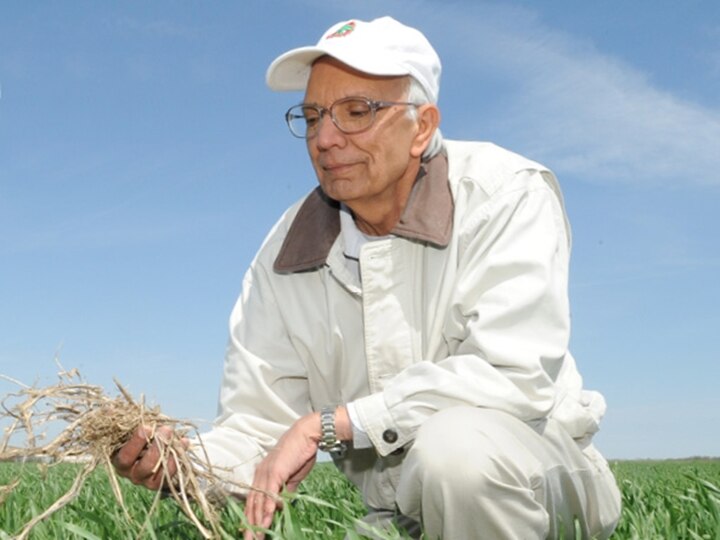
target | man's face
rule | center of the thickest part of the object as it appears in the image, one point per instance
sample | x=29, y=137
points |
x=371, y=167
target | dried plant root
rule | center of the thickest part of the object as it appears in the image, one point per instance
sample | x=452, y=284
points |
x=95, y=426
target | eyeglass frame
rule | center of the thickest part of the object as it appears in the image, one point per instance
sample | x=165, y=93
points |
x=375, y=106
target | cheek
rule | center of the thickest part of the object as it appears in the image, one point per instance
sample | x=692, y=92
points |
x=313, y=155
x=389, y=160
x=389, y=151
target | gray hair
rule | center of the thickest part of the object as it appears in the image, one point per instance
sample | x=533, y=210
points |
x=416, y=94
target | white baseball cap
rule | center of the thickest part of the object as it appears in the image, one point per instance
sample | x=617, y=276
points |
x=379, y=47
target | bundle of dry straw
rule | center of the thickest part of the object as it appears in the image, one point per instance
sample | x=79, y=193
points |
x=95, y=427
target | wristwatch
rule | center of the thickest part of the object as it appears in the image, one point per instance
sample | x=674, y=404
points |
x=329, y=441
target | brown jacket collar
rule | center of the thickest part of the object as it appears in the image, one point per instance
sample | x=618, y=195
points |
x=427, y=217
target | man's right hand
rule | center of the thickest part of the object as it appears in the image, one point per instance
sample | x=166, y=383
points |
x=138, y=458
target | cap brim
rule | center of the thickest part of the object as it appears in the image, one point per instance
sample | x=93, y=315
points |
x=291, y=70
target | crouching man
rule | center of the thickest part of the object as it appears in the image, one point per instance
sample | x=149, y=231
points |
x=410, y=316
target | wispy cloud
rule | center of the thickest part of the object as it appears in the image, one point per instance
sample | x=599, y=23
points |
x=566, y=102
x=593, y=115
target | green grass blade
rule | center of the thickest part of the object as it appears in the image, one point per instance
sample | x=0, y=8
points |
x=79, y=531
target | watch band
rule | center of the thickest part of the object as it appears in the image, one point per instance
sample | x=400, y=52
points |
x=329, y=441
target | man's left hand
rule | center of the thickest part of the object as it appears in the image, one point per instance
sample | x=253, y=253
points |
x=285, y=466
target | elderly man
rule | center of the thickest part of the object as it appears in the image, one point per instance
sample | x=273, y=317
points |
x=409, y=316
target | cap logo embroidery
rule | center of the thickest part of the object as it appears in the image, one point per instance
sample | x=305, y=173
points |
x=343, y=31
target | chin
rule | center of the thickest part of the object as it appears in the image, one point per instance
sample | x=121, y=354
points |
x=340, y=189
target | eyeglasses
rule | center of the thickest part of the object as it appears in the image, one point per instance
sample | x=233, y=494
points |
x=350, y=115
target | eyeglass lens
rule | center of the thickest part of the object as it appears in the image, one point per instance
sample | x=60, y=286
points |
x=349, y=115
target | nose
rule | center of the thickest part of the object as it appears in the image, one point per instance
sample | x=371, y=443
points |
x=328, y=134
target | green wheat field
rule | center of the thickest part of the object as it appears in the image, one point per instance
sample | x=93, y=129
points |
x=677, y=499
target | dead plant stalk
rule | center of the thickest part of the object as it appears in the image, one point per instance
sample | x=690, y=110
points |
x=95, y=427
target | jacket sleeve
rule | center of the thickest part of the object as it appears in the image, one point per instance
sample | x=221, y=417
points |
x=507, y=322
x=264, y=385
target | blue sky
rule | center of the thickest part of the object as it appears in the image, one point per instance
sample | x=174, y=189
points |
x=143, y=159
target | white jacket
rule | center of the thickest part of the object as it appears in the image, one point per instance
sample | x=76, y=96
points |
x=465, y=304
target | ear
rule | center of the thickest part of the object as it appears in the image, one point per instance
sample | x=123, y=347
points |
x=428, y=120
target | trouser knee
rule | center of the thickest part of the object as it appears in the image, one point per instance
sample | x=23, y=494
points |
x=475, y=472
x=469, y=449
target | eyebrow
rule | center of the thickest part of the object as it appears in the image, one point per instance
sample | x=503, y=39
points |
x=356, y=96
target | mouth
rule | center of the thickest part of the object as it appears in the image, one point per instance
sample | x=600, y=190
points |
x=335, y=168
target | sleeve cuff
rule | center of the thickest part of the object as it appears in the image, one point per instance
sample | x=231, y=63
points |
x=378, y=424
x=360, y=436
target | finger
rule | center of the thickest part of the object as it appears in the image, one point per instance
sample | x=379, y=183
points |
x=251, y=503
x=156, y=465
x=253, y=507
x=171, y=466
x=248, y=504
x=261, y=511
x=131, y=451
x=153, y=481
x=258, y=502
x=269, y=512
x=145, y=466
x=165, y=434
x=250, y=534
x=269, y=506
x=248, y=507
x=165, y=465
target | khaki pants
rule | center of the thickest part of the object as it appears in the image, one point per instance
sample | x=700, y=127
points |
x=481, y=474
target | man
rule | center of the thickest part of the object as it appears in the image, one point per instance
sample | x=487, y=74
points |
x=410, y=316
